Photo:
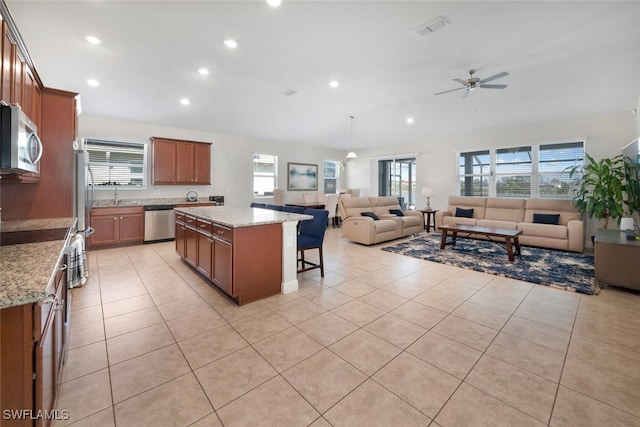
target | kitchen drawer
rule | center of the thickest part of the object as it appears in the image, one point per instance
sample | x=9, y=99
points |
x=223, y=233
x=190, y=222
x=180, y=218
x=117, y=211
x=204, y=226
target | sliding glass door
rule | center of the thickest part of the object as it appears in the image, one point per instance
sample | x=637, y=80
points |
x=397, y=177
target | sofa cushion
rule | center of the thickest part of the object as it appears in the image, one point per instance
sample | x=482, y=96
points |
x=497, y=224
x=384, y=226
x=505, y=209
x=464, y=213
x=370, y=215
x=539, y=218
x=466, y=202
x=549, y=206
x=453, y=220
x=543, y=230
x=397, y=212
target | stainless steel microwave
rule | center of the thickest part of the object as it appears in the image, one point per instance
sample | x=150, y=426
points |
x=20, y=147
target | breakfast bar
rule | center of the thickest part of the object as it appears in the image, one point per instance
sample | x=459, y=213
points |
x=248, y=253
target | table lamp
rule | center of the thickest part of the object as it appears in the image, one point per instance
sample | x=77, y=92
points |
x=428, y=192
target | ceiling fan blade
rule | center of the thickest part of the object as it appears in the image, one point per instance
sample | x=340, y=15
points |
x=450, y=90
x=495, y=76
x=462, y=82
x=466, y=93
x=493, y=86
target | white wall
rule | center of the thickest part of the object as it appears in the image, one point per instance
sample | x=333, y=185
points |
x=231, y=160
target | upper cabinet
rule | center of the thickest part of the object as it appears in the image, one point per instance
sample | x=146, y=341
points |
x=181, y=162
x=18, y=84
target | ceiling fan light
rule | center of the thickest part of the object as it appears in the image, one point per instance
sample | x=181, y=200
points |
x=352, y=155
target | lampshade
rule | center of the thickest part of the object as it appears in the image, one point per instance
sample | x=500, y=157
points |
x=428, y=192
x=351, y=155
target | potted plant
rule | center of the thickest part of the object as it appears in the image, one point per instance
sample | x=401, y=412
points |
x=599, y=188
x=632, y=186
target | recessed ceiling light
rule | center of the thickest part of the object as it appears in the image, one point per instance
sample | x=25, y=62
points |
x=274, y=3
x=231, y=44
x=203, y=71
x=334, y=84
x=410, y=120
x=93, y=82
x=92, y=39
x=185, y=101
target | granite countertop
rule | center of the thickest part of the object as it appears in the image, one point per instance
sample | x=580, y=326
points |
x=27, y=270
x=37, y=224
x=108, y=203
x=235, y=217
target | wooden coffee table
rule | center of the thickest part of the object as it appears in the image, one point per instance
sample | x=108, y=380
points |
x=510, y=236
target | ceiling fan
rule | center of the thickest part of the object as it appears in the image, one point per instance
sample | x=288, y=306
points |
x=473, y=83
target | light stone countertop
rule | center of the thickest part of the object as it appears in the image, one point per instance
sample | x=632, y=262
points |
x=235, y=217
x=28, y=270
x=37, y=224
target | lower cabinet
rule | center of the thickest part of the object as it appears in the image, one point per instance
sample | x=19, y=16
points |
x=244, y=262
x=30, y=370
x=113, y=226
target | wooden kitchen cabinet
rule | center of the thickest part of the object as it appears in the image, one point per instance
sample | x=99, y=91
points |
x=117, y=226
x=179, y=162
x=180, y=229
x=34, y=336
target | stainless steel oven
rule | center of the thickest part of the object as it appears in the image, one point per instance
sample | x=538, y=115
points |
x=21, y=148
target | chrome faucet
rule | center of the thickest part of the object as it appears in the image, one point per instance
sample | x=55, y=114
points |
x=115, y=196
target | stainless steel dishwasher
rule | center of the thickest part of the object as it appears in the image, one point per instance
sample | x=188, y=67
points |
x=159, y=223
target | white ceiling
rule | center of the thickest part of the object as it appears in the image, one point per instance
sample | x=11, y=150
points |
x=565, y=59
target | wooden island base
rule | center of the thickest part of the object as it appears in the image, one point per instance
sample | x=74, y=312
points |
x=244, y=262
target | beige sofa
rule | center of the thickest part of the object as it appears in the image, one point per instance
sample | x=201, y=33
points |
x=365, y=230
x=518, y=214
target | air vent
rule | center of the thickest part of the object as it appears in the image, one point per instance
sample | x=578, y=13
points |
x=431, y=27
x=289, y=92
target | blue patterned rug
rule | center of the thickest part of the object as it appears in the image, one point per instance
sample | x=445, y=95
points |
x=565, y=270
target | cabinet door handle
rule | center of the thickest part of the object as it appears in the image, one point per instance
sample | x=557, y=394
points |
x=120, y=217
x=115, y=218
x=63, y=267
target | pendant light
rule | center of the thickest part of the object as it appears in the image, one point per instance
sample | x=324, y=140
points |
x=351, y=154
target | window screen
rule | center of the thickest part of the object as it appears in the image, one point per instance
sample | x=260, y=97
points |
x=474, y=172
x=114, y=163
x=513, y=172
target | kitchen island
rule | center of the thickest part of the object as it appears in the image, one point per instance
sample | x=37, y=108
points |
x=248, y=253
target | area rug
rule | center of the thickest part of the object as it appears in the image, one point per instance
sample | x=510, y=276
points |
x=565, y=270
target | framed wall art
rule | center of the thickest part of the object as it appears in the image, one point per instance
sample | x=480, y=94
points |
x=302, y=176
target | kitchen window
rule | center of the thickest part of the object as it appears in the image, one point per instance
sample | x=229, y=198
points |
x=117, y=164
x=525, y=172
x=265, y=174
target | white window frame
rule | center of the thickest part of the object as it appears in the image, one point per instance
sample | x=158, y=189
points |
x=96, y=165
x=536, y=174
x=274, y=176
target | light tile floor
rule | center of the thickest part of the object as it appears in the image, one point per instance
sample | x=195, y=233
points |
x=382, y=340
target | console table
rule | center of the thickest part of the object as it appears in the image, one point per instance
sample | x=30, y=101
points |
x=616, y=259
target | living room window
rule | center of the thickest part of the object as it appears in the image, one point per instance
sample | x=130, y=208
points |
x=513, y=172
x=121, y=164
x=538, y=171
x=331, y=177
x=474, y=171
x=554, y=159
x=265, y=174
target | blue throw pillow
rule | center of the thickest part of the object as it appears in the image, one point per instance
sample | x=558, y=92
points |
x=370, y=215
x=464, y=213
x=546, y=218
x=397, y=212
